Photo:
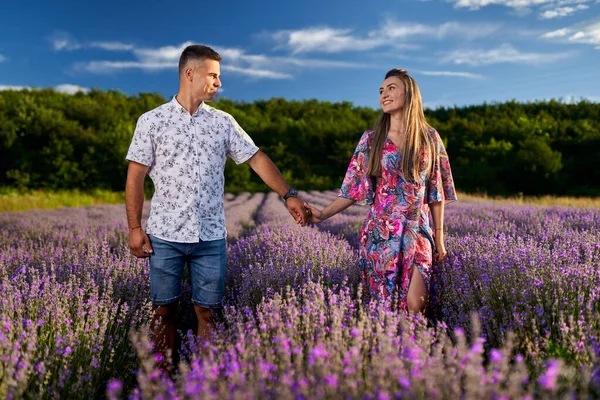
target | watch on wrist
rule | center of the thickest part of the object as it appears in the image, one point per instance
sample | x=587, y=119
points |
x=290, y=193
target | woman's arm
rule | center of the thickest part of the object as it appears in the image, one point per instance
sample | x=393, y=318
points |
x=336, y=206
x=437, y=212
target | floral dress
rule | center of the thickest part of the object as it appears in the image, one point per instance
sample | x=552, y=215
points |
x=396, y=236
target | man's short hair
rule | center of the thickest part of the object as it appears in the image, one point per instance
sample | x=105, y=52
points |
x=197, y=52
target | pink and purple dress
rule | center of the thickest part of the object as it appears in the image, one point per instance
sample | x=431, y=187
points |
x=396, y=236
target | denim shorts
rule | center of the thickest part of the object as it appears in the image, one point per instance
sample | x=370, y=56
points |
x=206, y=261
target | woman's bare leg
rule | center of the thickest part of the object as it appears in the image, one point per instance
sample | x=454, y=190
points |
x=417, y=295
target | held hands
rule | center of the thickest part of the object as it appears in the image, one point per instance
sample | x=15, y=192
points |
x=297, y=210
x=303, y=212
x=139, y=243
x=316, y=215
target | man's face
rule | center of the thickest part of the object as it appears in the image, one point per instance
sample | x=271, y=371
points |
x=204, y=79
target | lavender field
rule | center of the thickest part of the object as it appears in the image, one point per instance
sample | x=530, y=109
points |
x=515, y=311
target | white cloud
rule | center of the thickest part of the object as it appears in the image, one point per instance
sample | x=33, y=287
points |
x=584, y=33
x=112, y=46
x=577, y=36
x=11, y=87
x=257, y=73
x=402, y=30
x=549, y=8
x=324, y=39
x=555, y=34
x=261, y=61
x=468, y=75
x=148, y=59
x=262, y=66
x=516, y=4
x=102, y=67
x=562, y=11
x=63, y=88
x=70, y=88
x=62, y=41
x=161, y=54
x=235, y=60
x=561, y=3
x=502, y=54
x=589, y=33
x=316, y=63
x=2, y=58
x=330, y=40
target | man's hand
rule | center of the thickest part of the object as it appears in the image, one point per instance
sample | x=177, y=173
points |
x=139, y=243
x=296, y=208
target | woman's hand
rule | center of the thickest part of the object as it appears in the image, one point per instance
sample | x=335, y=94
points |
x=315, y=215
x=440, y=249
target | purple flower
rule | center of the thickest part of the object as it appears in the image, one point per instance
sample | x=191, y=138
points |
x=505, y=263
x=318, y=352
x=404, y=382
x=113, y=389
x=548, y=379
x=477, y=347
x=519, y=358
x=495, y=355
x=331, y=381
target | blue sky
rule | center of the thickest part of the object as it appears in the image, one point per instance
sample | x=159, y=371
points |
x=461, y=52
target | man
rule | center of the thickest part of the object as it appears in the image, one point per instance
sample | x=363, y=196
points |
x=183, y=146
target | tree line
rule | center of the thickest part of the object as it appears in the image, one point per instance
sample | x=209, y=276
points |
x=51, y=140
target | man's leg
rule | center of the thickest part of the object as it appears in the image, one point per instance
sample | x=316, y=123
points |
x=166, y=269
x=164, y=335
x=207, y=272
x=206, y=323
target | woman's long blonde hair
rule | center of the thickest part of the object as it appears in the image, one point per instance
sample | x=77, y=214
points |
x=417, y=133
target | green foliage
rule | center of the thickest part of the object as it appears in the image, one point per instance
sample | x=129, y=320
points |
x=237, y=176
x=15, y=200
x=55, y=141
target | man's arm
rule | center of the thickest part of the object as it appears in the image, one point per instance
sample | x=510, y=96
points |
x=270, y=174
x=134, y=204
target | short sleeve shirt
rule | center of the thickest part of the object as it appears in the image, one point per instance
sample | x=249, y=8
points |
x=186, y=157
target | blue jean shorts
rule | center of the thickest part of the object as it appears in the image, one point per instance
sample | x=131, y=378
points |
x=206, y=261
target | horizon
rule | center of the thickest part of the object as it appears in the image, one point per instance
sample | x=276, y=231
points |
x=565, y=101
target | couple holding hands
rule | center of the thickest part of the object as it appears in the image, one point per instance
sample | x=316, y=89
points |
x=400, y=169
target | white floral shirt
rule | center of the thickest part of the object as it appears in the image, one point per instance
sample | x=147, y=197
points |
x=186, y=155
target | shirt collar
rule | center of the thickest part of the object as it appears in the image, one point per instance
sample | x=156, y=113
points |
x=181, y=109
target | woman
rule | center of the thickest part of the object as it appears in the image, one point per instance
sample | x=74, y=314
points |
x=401, y=169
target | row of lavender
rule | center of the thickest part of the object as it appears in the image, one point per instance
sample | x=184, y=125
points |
x=74, y=310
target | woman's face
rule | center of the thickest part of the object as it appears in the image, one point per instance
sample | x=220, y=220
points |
x=391, y=95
